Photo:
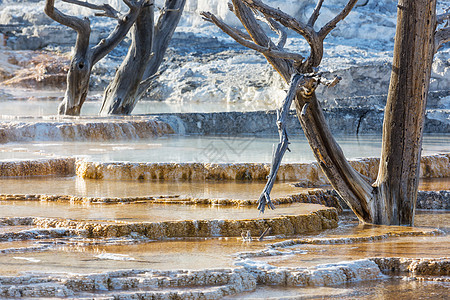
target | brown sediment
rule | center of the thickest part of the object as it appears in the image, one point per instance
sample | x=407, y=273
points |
x=421, y=266
x=435, y=166
x=320, y=219
x=314, y=196
x=42, y=167
x=308, y=174
x=381, y=233
x=35, y=69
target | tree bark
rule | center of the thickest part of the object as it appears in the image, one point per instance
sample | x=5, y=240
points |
x=398, y=177
x=86, y=57
x=145, y=55
x=129, y=75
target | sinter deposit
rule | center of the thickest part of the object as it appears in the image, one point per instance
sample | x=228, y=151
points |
x=76, y=129
x=432, y=166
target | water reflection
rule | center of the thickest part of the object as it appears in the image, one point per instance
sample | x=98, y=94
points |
x=27, y=102
x=217, y=149
x=145, y=212
x=115, y=188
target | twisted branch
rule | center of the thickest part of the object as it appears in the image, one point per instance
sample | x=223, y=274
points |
x=442, y=35
x=440, y=19
x=108, y=10
x=278, y=29
x=77, y=24
x=332, y=24
x=281, y=17
x=240, y=37
x=282, y=145
x=314, y=39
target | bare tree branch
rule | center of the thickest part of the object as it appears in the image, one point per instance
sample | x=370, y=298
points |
x=441, y=37
x=77, y=24
x=278, y=29
x=282, y=146
x=108, y=11
x=85, y=57
x=130, y=3
x=312, y=20
x=244, y=35
x=138, y=71
x=247, y=18
x=164, y=29
x=232, y=32
x=265, y=232
x=331, y=83
x=304, y=30
x=440, y=19
x=169, y=6
x=332, y=24
x=281, y=17
x=120, y=31
x=442, y=34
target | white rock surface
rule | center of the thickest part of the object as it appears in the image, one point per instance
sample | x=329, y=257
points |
x=359, y=50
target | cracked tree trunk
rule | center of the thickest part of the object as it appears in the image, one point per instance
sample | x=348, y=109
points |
x=145, y=55
x=129, y=75
x=78, y=74
x=398, y=177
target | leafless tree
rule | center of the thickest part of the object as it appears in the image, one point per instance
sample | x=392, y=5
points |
x=392, y=197
x=86, y=56
x=145, y=55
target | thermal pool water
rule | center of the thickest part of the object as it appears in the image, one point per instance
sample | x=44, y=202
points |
x=208, y=149
x=68, y=266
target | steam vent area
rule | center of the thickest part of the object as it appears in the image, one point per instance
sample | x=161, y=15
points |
x=161, y=200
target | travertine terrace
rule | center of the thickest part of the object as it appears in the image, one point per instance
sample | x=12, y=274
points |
x=161, y=204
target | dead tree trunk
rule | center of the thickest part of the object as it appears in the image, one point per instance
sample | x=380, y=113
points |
x=398, y=176
x=145, y=55
x=85, y=56
x=391, y=199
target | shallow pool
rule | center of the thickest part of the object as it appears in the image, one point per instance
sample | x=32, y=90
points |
x=27, y=102
x=203, y=149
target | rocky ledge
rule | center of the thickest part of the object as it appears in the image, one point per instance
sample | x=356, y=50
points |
x=307, y=174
